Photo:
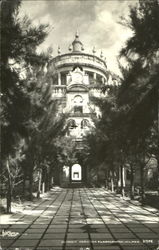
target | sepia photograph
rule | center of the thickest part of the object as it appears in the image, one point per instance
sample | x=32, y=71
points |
x=79, y=125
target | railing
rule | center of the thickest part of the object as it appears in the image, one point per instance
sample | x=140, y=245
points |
x=58, y=90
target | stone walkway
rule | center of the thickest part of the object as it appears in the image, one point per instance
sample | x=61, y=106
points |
x=81, y=219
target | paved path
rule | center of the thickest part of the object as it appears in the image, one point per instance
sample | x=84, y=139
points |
x=81, y=219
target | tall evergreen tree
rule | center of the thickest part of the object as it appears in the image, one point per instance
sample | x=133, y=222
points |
x=139, y=91
x=19, y=42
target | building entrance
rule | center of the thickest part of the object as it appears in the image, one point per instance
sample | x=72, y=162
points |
x=76, y=173
x=71, y=175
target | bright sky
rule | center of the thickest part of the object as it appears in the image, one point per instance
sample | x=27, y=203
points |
x=96, y=21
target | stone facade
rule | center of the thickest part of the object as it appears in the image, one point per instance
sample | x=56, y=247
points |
x=76, y=77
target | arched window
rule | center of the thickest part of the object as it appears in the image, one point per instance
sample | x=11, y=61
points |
x=90, y=76
x=78, y=104
x=99, y=79
x=71, y=124
x=78, y=100
x=84, y=123
x=63, y=77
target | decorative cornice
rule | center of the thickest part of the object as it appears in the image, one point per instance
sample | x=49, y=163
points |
x=79, y=54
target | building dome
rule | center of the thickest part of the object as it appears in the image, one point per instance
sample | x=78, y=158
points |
x=92, y=70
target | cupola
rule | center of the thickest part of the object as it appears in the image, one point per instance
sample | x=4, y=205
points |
x=76, y=44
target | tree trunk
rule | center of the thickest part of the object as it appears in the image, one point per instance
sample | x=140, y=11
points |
x=43, y=180
x=46, y=182
x=31, y=187
x=106, y=179
x=43, y=187
x=57, y=174
x=24, y=184
x=158, y=175
x=9, y=189
x=9, y=196
x=118, y=180
x=132, y=187
x=158, y=138
x=39, y=185
x=112, y=181
x=9, y=199
x=122, y=181
x=50, y=179
x=142, y=183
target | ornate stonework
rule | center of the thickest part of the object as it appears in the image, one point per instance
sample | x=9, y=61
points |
x=78, y=74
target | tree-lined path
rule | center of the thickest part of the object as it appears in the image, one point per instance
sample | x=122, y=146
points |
x=81, y=219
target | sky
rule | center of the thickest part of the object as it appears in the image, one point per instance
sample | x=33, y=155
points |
x=97, y=23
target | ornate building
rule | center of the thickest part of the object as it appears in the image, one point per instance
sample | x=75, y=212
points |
x=75, y=77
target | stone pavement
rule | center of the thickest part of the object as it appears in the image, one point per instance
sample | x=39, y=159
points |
x=81, y=219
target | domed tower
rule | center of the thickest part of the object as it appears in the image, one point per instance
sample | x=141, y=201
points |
x=77, y=46
x=75, y=77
